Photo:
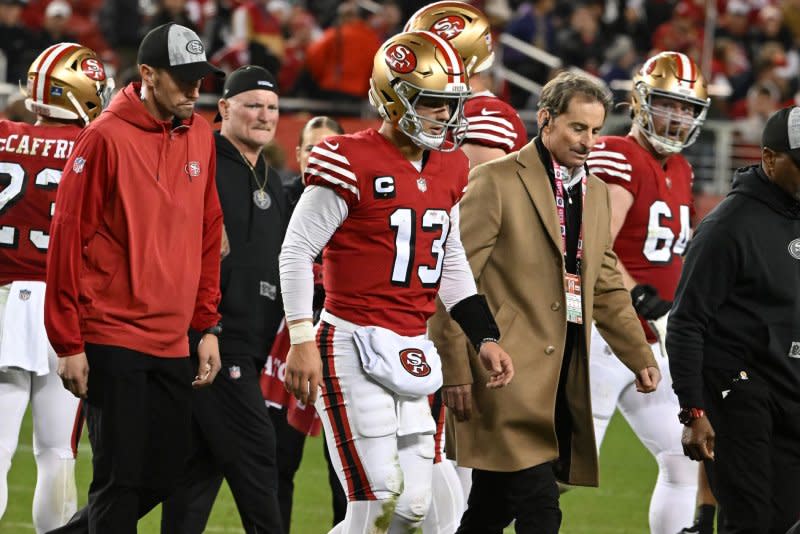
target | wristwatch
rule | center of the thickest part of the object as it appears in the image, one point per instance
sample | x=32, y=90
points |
x=215, y=330
x=687, y=415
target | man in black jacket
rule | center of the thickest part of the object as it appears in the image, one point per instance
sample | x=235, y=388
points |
x=233, y=434
x=734, y=340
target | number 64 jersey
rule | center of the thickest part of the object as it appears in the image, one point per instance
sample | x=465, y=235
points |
x=658, y=225
x=31, y=161
x=383, y=265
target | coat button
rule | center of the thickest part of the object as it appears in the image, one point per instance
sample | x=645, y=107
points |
x=550, y=349
x=555, y=306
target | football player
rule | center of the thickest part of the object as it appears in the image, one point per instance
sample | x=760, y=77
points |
x=382, y=205
x=67, y=88
x=650, y=186
x=495, y=128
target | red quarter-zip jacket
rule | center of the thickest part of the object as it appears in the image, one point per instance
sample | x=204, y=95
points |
x=135, y=238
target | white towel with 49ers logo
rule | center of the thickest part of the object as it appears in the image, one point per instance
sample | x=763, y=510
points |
x=23, y=339
x=409, y=366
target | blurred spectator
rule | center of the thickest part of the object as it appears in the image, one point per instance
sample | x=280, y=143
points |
x=533, y=23
x=763, y=100
x=54, y=25
x=302, y=31
x=387, y=20
x=170, y=11
x=629, y=18
x=682, y=33
x=119, y=23
x=340, y=62
x=255, y=28
x=582, y=44
x=770, y=27
x=621, y=60
x=791, y=17
x=18, y=43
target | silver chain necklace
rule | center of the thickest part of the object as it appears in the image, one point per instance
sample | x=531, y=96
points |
x=261, y=198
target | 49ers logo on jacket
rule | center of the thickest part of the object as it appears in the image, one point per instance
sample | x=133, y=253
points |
x=401, y=59
x=92, y=68
x=448, y=27
x=193, y=168
x=413, y=361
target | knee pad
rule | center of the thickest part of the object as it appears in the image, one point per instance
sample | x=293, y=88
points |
x=413, y=504
x=676, y=469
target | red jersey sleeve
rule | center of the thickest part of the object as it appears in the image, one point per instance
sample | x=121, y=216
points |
x=328, y=166
x=78, y=213
x=613, y=161
x=208, y=291
x=494, y=124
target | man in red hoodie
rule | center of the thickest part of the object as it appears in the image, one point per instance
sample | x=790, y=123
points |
x=133, y=263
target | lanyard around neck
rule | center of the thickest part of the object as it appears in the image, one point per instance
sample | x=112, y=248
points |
x=559, y=172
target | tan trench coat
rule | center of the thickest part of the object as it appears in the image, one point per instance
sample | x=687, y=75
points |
x=510, y=230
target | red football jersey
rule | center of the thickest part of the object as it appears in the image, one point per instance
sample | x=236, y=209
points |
x=31, y=161
x=383, y=265
x=493, y=123
x=657, y=228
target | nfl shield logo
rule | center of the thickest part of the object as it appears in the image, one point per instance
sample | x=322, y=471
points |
x=24, y=294
x=193, y=168
x=235, y=372
x=422, y=184
x=77, y=165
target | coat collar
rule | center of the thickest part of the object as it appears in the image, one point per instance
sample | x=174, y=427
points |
x=534, y=176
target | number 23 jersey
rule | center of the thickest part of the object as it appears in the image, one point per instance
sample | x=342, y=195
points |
x=383, y=265
x=31, y=161
x=657, y=227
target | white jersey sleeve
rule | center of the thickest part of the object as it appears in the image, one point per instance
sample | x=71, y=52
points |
x=457, y=280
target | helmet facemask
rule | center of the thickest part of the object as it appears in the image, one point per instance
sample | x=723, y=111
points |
x=418, y=127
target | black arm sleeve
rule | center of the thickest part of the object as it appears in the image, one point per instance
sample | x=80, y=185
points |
x=475, y=318
x=709, y=273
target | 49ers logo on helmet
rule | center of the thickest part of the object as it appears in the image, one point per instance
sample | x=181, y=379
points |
x=401, y=59
x=413, y=361
x=92, y=68
x=448, y=27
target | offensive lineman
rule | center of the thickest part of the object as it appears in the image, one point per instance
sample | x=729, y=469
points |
x=382, y=206
x=67, y=88
x=650, y=186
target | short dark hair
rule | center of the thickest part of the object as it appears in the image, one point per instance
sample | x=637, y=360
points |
x=559, y=92
x=316, y=123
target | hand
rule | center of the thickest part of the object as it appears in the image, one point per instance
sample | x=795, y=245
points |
x=698, y=439
x=210, y=363
x=659, y=328
x=304, y=372
x=225, y=247
x=647, y=379
x=74, y=373
x=459, y=400
x=498, y=363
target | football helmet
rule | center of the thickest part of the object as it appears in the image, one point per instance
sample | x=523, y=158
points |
x=68, y=82
x=669, y=75
x=465, y=26
x=417, y=66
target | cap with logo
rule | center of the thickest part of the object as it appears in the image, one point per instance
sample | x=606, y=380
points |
x=247, y=78
x=177, y=49
x=782, y=133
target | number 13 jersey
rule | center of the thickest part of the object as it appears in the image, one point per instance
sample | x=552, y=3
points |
x=31, y=161
x=657, y=227
x=383, y=265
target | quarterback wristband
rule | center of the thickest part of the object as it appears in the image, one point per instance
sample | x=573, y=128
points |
x=302, y=332
x=476, y=320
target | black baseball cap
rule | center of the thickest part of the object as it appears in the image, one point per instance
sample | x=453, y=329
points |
x=177, y=49
x=782, y=132
x=247, y=78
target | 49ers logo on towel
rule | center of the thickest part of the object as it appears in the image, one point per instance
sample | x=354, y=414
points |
x=413, y=361
x=401, y=59
x=448, y=27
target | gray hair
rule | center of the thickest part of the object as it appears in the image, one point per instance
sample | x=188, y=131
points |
x=559, y=92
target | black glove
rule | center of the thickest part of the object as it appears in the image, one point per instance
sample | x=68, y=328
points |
x=647, y=303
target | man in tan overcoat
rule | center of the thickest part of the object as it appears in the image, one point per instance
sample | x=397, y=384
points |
x=522, y=438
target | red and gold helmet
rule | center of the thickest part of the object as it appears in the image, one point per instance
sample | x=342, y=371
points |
x=420, y=65
x=675, y=76
x=465, y=26
x=68, y=82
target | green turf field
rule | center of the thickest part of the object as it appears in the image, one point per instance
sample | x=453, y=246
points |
x=619, y=506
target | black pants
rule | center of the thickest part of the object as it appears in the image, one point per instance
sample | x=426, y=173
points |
x=138, y=415
x=290, y=444
x=232, y=438
x=756, y=472
x=530, y=496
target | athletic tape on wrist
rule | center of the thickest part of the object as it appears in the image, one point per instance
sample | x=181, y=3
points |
x=301, y=332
